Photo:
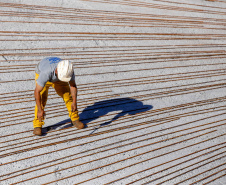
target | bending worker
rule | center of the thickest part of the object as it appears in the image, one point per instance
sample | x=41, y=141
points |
x=59, y=74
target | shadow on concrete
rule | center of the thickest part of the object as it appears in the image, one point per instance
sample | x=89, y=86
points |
x=123, y=106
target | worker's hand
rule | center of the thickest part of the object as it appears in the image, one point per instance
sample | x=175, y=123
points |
x=73, y=107
x=41, y=115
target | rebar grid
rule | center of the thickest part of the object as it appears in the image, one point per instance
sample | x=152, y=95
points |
x=196, y=125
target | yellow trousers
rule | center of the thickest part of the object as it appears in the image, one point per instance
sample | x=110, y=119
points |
x=63, y=90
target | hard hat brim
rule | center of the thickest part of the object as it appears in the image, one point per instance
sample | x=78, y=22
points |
x=65, y=79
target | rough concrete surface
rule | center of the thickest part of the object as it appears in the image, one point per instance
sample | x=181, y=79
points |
x=151, y=89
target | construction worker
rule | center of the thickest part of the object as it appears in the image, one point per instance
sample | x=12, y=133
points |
x=58, y=73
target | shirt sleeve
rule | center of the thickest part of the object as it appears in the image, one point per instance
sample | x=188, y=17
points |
x=42, y=79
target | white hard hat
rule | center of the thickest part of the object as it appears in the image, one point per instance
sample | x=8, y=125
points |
x=64, y=70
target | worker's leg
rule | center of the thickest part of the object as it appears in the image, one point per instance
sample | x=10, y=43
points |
x=63, y=90
x=44, y=96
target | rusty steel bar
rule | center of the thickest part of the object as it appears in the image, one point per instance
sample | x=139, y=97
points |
x=155, y=95
x=13, y=146
x=214, y=179
x=158, y=6
x=149, y=151
x=174, y=165
x=157, y=111
x=95, y=152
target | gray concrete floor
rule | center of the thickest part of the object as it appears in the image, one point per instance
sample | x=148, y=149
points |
x=151, y=89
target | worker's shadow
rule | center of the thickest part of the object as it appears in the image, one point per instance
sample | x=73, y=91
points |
x=114, y=107
x=117, y=108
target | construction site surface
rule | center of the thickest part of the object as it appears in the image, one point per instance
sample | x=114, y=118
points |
x=151, y=90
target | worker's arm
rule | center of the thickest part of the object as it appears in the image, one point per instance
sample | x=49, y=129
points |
x=73, y=89
x=41, y=112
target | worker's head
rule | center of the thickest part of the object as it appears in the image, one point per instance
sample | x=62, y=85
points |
x=64, y=70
